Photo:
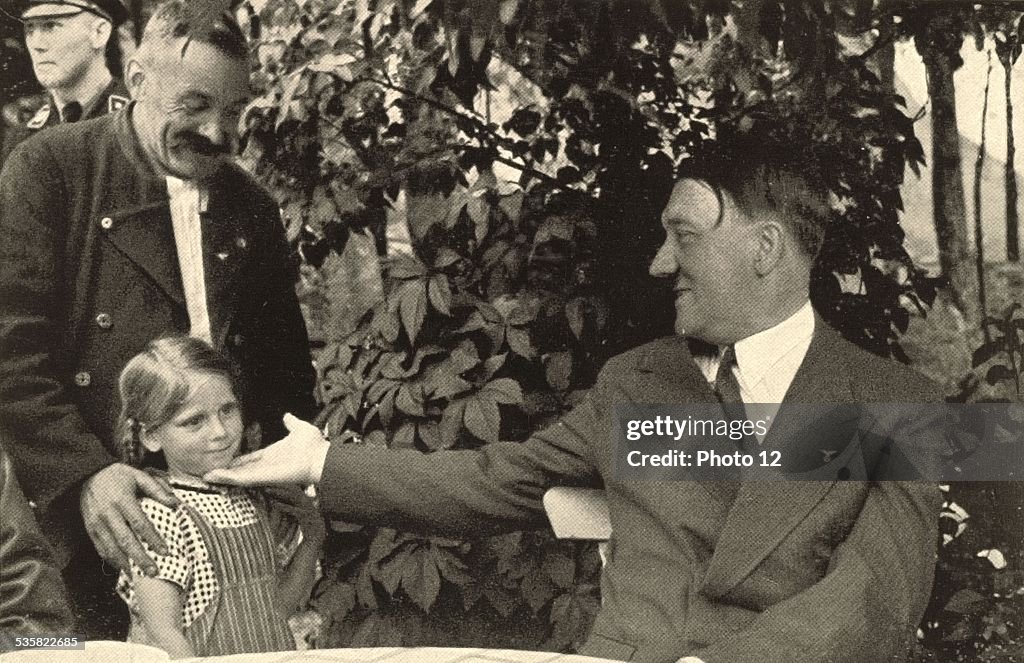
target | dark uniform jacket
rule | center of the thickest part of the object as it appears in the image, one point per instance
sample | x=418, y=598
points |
x=89, y=274
x=32, y=596
x=111, y=100
x=796, y=571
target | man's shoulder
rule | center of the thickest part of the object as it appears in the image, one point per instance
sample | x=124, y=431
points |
x=876, y=379
x=649, y=357
x=77, y=142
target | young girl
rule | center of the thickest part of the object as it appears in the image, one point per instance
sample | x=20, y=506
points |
x=236, y=566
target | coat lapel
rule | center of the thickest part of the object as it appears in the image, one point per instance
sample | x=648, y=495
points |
x=671, y=361
x=145, y=236
x=137, y=217
x=765, y=512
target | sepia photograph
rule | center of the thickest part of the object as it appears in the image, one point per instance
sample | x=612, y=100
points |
x=511, y=331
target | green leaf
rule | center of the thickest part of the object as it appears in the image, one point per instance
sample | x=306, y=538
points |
x=474, y=322
x=410, y=399
x=407, y=267
x=574, y=315
x=445, y=384
x=430, y=433
x=504, y=390
x=412, y=300
x=558, y=369
x=451, y=422
x=559, y=567
x=440, y=293
x=502, y=600
x=519, y=342
x=404, y=437
x=446, y=258
x=537, y=591
x=464, y=357
x=421, y=580
x=385, y=322
x=492, y=364
x=482, y=418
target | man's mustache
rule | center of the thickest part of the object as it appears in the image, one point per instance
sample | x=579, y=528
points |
x=203, y=145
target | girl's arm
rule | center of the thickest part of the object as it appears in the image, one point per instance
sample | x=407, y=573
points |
x=159, y=604
x=298, y=578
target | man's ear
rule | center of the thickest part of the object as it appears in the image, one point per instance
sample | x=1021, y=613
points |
x=771, y=246
x=150, y=441
x=100, y=34
x=134, y=77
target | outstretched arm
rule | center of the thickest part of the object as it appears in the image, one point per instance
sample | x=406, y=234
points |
x=493, y=489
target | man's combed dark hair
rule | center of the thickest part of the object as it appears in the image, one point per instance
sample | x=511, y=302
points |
x=759, y=176
x=177, y=19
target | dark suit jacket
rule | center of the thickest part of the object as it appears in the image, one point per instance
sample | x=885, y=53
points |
x=789, y=571
x=89, y=274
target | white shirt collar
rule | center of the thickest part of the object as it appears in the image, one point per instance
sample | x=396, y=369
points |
x=756, y=355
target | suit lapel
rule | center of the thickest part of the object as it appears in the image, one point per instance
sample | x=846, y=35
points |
x=765, y=512
x=673, y=363
x=145, y=236
x=137, y=217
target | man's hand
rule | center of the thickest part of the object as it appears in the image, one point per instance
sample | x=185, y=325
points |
x=298, y=458
x=114, y=519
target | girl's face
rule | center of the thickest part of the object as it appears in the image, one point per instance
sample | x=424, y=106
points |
x=205, y=433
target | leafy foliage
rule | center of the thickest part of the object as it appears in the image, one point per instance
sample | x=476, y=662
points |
x=527, y=149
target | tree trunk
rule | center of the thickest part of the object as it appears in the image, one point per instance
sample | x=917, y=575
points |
x=947, y=183
x=979, y=168
x=1012, y=217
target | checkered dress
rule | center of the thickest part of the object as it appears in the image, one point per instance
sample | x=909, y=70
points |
x=223, y=555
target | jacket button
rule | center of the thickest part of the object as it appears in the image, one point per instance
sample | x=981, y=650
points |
x=236, y=340
x=104, y=321
x=241, y=242
x=106, y=223
x=83, y=379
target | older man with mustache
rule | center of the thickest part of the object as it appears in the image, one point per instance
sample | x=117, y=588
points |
x=116, y=231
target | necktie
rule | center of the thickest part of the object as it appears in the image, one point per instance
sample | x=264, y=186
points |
x=72, y=112
x=727, y=391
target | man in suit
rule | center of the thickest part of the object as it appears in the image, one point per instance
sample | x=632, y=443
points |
x=76, y=58
x=117, y=231
x=712, y=571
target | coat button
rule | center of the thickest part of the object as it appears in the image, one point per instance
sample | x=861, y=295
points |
x=83, y=379
x=104, y=321
x=236, y=340
x=106, y=223
x=241, y=242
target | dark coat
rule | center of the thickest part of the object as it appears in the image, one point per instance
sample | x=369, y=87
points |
x=33, y=600
x=89, y=274
x=812, y=572
x=112, y=99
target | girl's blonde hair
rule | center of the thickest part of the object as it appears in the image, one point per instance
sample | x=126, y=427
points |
x=155, y=383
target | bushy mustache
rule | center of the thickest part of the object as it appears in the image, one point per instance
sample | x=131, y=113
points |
x=202, y=144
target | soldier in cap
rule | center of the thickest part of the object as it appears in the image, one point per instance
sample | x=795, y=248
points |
x=75, y=55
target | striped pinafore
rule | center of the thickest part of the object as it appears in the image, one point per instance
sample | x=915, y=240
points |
x=242, y=617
